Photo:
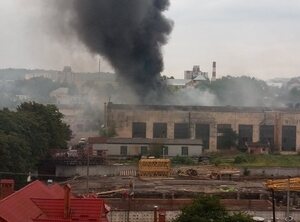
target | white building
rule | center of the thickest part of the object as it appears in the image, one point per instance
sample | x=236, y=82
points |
x=194, y=73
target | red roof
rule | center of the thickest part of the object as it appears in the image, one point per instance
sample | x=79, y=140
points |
x=41, y=203
x=84, y=210
x=19, y=207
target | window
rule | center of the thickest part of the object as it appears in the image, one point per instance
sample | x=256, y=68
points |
x=223, y=136
x=159, y=130
x=245, y=134
x=181, y=131
x=184, y=151
x=138, y=130
x=266, y=135
x=144, y=150
x=123, y=150
x=202, y=132
x=289, y=138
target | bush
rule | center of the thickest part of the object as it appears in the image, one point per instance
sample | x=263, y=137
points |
x=209, y=208
x=240, y=159
x=184, y=160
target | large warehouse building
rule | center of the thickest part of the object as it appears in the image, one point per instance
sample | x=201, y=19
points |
x=278, y=128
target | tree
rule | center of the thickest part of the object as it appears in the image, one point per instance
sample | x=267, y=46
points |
x=26, y=135
x=208, y=208
x=49, y=118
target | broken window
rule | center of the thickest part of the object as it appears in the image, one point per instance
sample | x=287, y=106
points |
x=159, y=130
x=181, y=131
x=138, y=130
x=288, y=138
x=266, y=135
x=245, y=134
x=223, y=136
x=202, y=132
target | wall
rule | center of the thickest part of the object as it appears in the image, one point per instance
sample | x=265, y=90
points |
x=275, y=171
x=124, y=115
x=148, y=216
x=99, y=170
x=135, y=149
x=68, y=171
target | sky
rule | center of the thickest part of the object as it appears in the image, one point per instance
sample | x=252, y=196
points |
x=259, y=38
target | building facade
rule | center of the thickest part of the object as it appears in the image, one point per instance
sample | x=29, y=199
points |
x=277, y=128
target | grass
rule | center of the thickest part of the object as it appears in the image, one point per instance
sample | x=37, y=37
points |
x=262, y=160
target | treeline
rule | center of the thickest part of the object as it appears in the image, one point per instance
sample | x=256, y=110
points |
x=242, y=91
x=27, y=134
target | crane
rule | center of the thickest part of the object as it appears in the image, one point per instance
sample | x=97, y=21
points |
x=289, y=184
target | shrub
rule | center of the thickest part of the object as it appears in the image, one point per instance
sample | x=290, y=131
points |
x=184, y=160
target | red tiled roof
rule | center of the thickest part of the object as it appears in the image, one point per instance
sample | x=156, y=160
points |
x=19, y=207
x=41, y=203
x=83, y=210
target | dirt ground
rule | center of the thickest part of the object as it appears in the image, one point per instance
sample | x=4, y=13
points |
x=164, y=187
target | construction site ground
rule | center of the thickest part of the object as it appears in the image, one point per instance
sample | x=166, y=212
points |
x=183, y=181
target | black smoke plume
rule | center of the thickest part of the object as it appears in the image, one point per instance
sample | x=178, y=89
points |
x=129, y=33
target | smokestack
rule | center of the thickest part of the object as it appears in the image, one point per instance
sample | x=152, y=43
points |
x=214, y=71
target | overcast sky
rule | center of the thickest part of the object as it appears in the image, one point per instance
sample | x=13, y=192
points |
x=245, y=37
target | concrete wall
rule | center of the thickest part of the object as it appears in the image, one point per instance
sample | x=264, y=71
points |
x=123, y=117
x=135, y=149
x=99, y=170
x=275, y=171
x=148, y=216
x=138, y=216
x=69, y=171
x=193, y=150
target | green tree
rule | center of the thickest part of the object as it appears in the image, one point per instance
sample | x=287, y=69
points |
x=26, y=135
x=208, y=208
x=49, y=118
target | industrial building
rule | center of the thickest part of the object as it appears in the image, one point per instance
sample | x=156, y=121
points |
x=277, y=128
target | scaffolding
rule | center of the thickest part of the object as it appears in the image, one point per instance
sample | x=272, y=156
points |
x=154, y=168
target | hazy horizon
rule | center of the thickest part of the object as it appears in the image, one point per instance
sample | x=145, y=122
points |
x=256, y=38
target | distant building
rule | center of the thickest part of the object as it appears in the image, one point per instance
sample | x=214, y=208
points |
x=275, y=127
x=194, y=73
x=42, y=74
x=128, y=147
x=62, y=97
x=179, y=83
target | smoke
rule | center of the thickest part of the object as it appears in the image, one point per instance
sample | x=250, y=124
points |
x=128, y=33
x=193, y=97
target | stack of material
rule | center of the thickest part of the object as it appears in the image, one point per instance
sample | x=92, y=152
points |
x=207, y=172
x=154, y=168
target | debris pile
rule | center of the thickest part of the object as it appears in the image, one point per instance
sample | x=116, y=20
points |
x=208, y=172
